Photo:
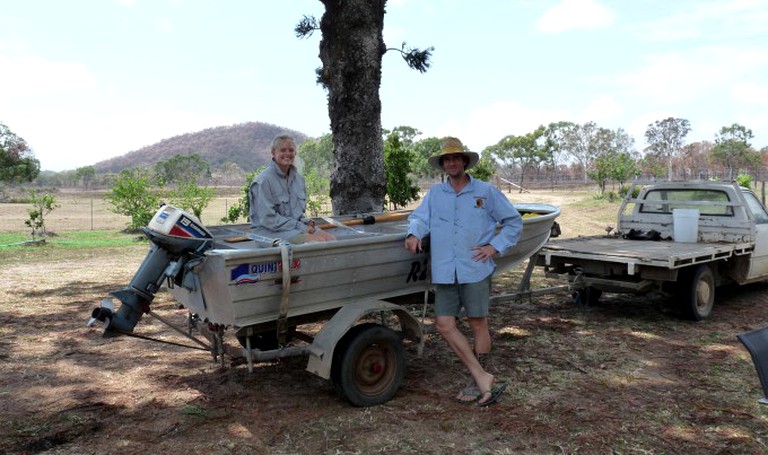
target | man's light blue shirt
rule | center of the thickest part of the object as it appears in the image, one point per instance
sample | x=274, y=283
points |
x=458, y=221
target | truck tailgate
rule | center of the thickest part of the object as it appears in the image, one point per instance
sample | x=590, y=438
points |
x=665, y=254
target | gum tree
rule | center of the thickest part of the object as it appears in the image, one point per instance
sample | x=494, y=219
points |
x=666, y=139
x=351, y=52
x=17, y=161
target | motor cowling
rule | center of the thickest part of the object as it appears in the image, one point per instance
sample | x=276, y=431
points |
x=177, y=237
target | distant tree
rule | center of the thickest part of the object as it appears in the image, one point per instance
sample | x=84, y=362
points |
x=191, y=197
x=182, y=170
x=241, y=208
x=317, y=192
x=601, y=170
x=397, y=165
x=579, y=143
x=422, y=150
x=407, y=134
x=42, y=205
x=666, y=139
x=230, y=172
x=132, y=194
x=653, y=166
x=484, y=169
x=17, y=161
x=616, y=158
x=556, y=134
x=744, y=180
x=85, y=174
x=694, y=160
x=317, y=154
x=625, y=166
x=525, y=152
x=732, y=149
x=351, y=52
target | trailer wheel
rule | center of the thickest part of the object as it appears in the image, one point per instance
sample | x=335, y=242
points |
x=698, y=293
x=592, y=295
x=368, y=365
x=264, y=341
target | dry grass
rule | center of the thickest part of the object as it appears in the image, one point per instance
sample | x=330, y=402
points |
x=627, y=376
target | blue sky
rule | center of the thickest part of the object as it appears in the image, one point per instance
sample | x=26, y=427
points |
x=86, y=80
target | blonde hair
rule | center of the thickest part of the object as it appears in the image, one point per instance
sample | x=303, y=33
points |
x=279, y=139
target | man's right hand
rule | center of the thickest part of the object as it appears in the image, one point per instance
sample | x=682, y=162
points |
x=413, y=244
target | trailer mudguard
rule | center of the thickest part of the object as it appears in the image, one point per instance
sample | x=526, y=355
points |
x=321, y=350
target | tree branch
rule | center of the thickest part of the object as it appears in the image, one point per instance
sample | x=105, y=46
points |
x=415, y=58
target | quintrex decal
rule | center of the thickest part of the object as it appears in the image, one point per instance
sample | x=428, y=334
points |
x=252, y=273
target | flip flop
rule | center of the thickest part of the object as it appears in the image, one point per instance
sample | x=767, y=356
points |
x=495, y=395
x=468, y=391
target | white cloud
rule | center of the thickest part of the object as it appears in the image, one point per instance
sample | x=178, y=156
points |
x=95, y=137
x=164, y=25
x=715, y=20
x=751, y=93
x=674, y=77
x=575, y=14
x=487, y=125
x=603, y=110
x=35, y=76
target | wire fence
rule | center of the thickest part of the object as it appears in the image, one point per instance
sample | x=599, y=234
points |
x=78, y=210
x=90, y=213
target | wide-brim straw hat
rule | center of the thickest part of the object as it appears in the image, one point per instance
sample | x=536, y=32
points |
x=453, y=146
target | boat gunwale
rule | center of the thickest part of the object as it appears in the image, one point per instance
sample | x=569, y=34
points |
x=545, y=212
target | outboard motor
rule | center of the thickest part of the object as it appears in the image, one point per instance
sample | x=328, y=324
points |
x=177, y=237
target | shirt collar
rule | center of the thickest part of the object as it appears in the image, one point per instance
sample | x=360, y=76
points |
x=292, y=171
x=467, y=189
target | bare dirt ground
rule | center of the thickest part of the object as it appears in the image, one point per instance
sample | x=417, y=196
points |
x=625, y=376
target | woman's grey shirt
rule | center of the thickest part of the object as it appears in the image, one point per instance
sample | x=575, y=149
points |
x=277, y=203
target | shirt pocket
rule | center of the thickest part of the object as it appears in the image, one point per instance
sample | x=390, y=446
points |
x=301, y=201
x=283, y=204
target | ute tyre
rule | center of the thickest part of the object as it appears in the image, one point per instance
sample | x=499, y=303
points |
x=368, y=365
x=698, y=293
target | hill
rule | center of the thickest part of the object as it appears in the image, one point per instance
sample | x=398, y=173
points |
x=246, y=144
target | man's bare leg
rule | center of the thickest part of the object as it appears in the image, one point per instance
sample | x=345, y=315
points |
x=446, y=326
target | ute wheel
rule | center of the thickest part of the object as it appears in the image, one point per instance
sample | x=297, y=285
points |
x=698, y=293
x=368, y=365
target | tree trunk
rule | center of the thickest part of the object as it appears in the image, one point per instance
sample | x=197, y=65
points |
x=351, y=51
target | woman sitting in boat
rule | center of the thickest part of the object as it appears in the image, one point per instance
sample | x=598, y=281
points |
x=278, y=199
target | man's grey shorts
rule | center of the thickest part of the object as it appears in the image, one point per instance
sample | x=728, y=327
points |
x=473, y=297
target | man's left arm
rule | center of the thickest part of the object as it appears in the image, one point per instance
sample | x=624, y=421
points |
x=509, y=220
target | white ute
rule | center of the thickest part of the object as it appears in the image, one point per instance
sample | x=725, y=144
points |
x=728, y=244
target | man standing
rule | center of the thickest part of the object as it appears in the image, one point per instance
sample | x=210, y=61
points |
x=461, y=216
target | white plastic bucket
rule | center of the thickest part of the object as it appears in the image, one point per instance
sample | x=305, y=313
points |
x=686, y=225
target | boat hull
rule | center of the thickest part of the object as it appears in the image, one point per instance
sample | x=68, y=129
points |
x=244, y=284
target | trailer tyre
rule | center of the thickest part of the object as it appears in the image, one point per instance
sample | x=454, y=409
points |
x=698, y=293
x=368, y=365
x=264, y=341
x=587, y=296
